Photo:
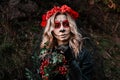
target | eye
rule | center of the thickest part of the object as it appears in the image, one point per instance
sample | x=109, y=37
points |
x=57, y=25
x=66, y=24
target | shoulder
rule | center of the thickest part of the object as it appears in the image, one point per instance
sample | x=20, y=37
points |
x=84, y=54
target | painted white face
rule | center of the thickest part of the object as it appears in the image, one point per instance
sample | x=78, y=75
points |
x=61, y=30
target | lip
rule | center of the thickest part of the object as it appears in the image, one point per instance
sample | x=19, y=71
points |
x=63, y=35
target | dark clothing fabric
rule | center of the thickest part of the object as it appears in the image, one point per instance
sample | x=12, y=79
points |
x=80, y=68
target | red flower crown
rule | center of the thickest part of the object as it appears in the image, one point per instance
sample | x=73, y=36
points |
x=62, y=9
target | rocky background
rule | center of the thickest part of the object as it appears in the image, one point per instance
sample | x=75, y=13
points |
x=20, y=33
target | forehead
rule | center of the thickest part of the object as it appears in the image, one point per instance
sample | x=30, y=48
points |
x=60, y=17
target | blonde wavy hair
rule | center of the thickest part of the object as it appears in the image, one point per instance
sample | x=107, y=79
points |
x=75, y=41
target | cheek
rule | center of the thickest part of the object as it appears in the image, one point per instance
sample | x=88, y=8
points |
x=55, y=31
x=55, y=34
x=68, y=30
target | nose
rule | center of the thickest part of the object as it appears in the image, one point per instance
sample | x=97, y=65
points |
x=62, y=29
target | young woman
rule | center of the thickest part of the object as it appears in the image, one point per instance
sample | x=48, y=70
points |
x=62, y=35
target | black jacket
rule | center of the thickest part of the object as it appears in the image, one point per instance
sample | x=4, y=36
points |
x=80, y=68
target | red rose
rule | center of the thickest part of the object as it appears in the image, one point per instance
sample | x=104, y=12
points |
x=63, y=9
x=49, y=14
x=43, y=23
x=44, y=17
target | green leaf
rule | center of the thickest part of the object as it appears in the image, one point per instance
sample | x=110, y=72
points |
x=43, y=50
x=46, y=74
x=27, y=74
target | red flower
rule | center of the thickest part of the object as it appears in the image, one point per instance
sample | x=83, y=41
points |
x=56, y=9
x=62, y=9
x=43, y=23
x=43, y=65
x=44, y=17
x=63, y=70
x=65, y=8
x=74, y=14
x=45, y=77
x=53, y=64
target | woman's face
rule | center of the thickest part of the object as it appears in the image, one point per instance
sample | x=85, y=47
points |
x=61, y=30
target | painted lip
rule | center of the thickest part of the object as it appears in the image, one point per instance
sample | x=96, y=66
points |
x=63, y=35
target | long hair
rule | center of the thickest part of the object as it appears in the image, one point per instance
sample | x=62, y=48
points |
x=75, y=41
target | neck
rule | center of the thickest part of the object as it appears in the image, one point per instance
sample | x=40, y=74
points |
x=62, y=43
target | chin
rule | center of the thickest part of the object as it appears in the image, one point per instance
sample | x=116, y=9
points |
x=65, y=39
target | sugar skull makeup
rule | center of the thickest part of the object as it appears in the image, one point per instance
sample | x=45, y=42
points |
x=58, y=24
x=61, y=29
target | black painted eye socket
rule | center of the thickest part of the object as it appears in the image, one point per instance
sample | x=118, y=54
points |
x=57, y=25
x=66, y=24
